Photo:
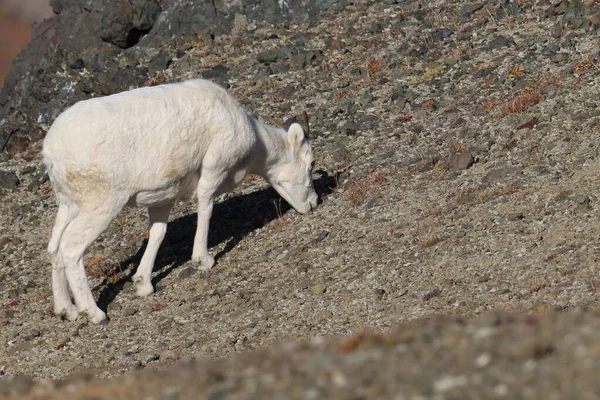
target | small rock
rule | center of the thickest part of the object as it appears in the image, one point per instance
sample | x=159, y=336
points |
x=117, y=25
x=460, y=161
x=148, y=357
x=515, y=216
x=219, y=74
x=499, y=174
x=335, y=44
x=319, y=288
x=145, y=14
x=370, y=204
x=129, y=311
x=213, y=301
x=263, y=73
x=447, y=383
x=279, y=67
x=556, y=32
x=445, y=33
x=77, y=64
x=559, y=57
x=128, y=286
x=165, y=323
x=29, y=169
x=31, y=334
x=397, y=94
x=268, y=57
x=306, y=58
x=501, y=41
x=321, y=236
x=551, y=49
x=583, y=200
x=181, y=52
x=159, y=62
x=303, y=284
x=167, y=357
x=594, y=19
x=365, y=98
x=469, y=9
x=349, y=129
x=186, y=273
x=431, y=294
x=4, y=241
x=9, y=180
x=556, y=9
x=240, y=23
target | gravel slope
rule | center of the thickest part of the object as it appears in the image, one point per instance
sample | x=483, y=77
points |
x=457, y=156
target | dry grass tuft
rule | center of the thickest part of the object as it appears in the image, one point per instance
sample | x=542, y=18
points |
x=157, y=80
x=359, y=191
x=431, y=241
x=156, y=307
x=96, y=269
x=523, y=100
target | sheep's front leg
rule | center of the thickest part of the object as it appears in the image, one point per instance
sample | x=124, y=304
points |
x=207, y=189
x=158, y=217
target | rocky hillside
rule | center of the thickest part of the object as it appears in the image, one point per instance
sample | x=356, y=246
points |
x=457, y=165
x=16, y=17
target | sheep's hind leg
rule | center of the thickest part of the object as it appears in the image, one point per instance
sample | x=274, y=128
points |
x=60, y=287
x=63, y=306
x=78, y=235
x=158, y=219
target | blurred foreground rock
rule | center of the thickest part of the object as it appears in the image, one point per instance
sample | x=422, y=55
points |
x=493, y=356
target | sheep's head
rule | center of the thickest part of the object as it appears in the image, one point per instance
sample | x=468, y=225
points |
x=292, y=177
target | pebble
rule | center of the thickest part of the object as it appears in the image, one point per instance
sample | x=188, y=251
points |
x=31, y=334
x=379, y=293
x=501, y=41
x=9, y=180
x=240, y=23
x=167, y=357
x=445, y=33
x=460, y=161
x=559, y=57
x=447, y=383
x=148, y=357
x=129, y=311
x=186, y=273
x=319, y=288
x=159, y=62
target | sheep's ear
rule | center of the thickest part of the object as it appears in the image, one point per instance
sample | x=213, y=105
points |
x=306, y=124
x=295, y=135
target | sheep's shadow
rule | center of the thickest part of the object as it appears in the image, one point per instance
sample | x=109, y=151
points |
x=231, y=221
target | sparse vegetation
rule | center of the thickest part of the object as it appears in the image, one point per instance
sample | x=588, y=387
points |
x=360, y=191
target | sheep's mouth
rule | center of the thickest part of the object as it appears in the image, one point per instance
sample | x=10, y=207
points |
x=302, y=209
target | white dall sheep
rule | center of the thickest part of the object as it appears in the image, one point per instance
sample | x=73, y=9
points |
x=151, y=147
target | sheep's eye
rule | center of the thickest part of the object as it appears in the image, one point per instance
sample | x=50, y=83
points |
x=312, y=164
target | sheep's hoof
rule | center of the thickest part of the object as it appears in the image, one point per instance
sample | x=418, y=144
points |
x=206, y=262
x=68, y=312
x=142, y=287
x=144, y=290
x=97, y=317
